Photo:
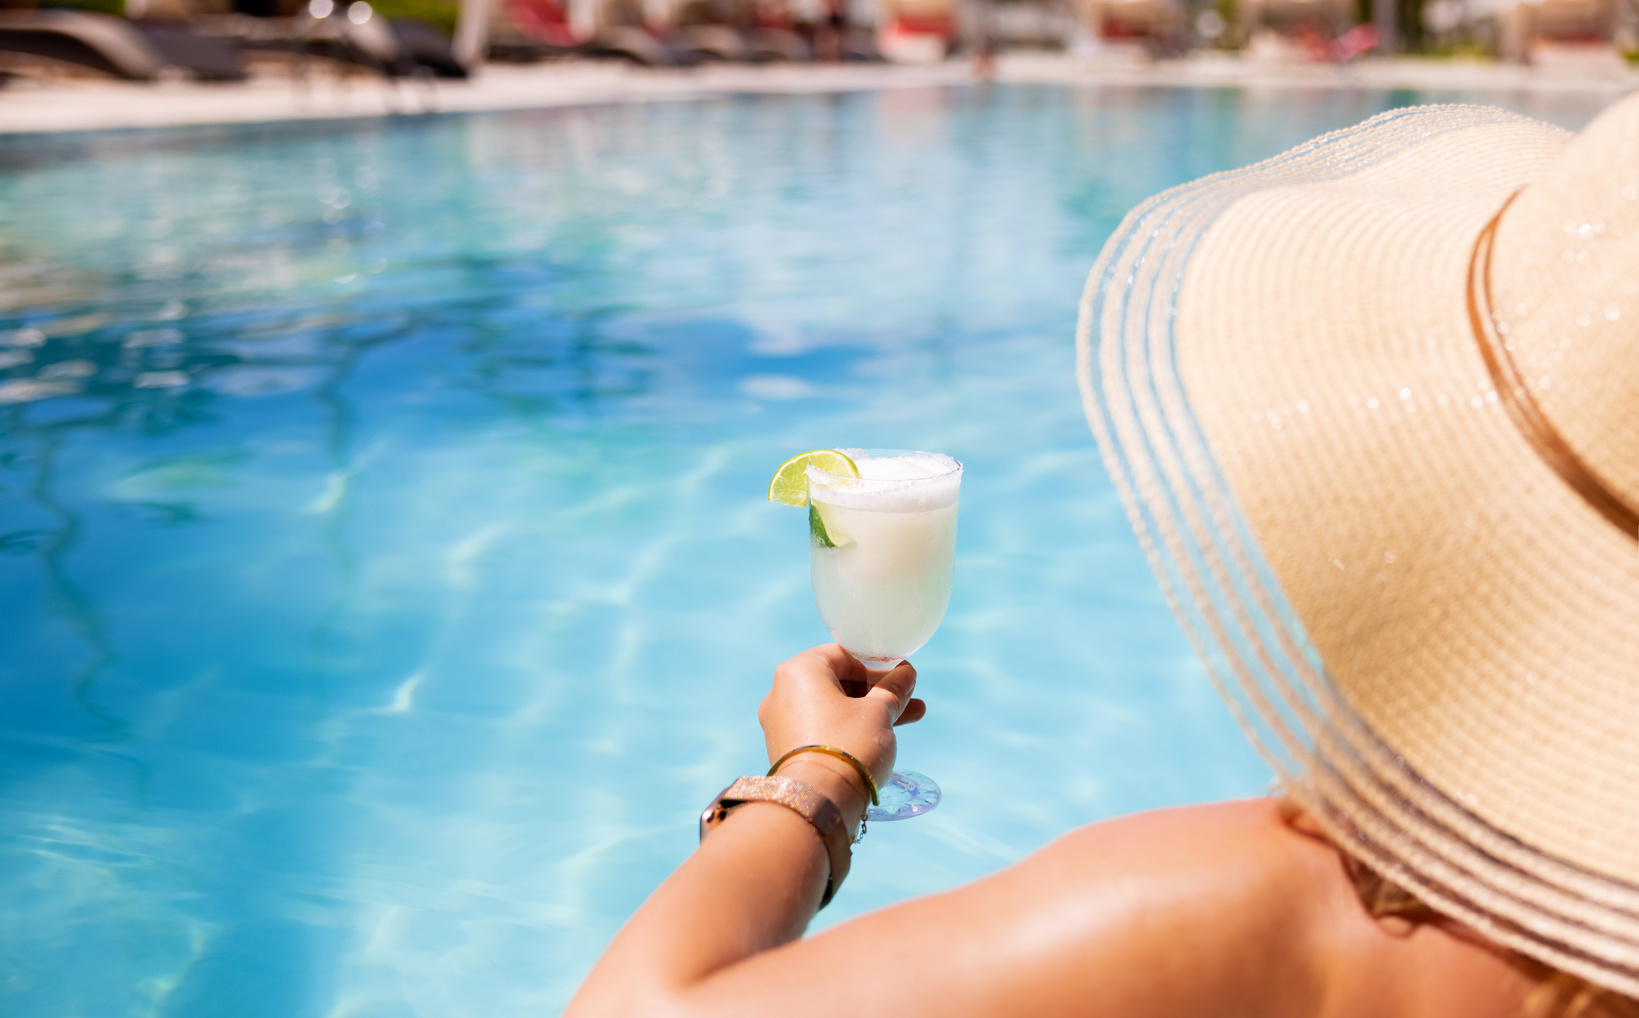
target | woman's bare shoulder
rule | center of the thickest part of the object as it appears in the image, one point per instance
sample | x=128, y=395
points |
x=1196, y=910
x=1224, y=909
x=1246, y=830
x=1270, y=898
x=1239, y=865
x=1221, y=903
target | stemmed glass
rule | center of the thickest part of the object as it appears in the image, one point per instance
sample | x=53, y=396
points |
x=882, y=549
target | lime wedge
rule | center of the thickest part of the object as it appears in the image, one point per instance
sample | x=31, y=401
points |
x=790, y=483
x=826, y=536
x=816, y=528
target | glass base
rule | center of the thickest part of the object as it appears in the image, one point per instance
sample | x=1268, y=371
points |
x=881, y=665
x=906, y=794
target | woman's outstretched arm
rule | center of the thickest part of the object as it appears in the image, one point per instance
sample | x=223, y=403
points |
x=755, y=882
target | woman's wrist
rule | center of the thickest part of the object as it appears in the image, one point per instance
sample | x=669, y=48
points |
x=835, y=779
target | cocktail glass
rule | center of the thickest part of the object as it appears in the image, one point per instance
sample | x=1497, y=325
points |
x=882, y=550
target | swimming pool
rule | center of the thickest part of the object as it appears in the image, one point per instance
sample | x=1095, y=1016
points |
x=386, y=574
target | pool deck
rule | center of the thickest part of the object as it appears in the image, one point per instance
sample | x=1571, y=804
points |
x=29, y=108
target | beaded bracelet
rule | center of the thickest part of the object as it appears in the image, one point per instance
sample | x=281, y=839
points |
x=840, y=754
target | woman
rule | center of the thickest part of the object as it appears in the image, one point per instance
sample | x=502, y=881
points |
x=1374, y=409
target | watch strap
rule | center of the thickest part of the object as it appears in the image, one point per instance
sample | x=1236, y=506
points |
x=803, y=799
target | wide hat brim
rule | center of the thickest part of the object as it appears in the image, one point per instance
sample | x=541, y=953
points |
x=1430, y=635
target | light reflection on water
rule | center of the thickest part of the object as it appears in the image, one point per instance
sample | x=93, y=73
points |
x=385, y=572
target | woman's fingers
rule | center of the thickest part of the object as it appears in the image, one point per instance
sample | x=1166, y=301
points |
x=896, y=687
x=824, y=666
x=814, y=673
x=844, y=666
x=914, y=711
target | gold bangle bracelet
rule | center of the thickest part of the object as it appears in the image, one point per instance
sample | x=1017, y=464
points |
x=840, y=754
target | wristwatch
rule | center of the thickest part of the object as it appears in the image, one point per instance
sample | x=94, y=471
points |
x=800, y=797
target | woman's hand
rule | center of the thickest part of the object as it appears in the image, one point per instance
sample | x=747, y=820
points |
x=825, y=696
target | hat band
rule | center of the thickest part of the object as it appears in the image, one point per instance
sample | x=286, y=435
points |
x=1515, y=394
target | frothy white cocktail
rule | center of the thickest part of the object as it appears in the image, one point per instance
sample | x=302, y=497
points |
x=883, y=546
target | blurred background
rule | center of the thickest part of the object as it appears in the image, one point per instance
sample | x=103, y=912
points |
x=385, y=570
x=230, y=40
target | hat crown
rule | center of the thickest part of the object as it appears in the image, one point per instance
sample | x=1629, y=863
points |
x=1565, y=295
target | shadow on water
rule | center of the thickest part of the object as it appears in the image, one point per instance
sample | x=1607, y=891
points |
x=93, y=374
x=38, y=437
x=338, y=445
x=53, y=549
x=59, y=384
x=339, y=416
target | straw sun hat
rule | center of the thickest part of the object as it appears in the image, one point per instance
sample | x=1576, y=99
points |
x=1373, y=407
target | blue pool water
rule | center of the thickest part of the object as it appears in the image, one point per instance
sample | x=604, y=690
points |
x=386, y=576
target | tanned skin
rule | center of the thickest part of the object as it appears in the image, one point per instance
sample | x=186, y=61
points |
x=1219, y=911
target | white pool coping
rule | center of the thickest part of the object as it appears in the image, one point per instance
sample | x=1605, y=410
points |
x=28, y=108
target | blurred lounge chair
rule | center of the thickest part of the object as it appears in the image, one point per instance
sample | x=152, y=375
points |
x=524, y=31
x=1526, y=27
x=778, y=45
x=1304, y=31
x=366, y=41
x=348, y=34
x=638, y=46
x=133, y=50
x=859, y=46
x=917, y=31
x=105, y=44
x=714, y=42
x=427, y=47
x=714, y=30
x=1036, y=26
x=529, y=30
x=201, y=57
x=1119, y=25
x=627, y=33
x=737, y=31
x=1334, y=16
x=1353, y=44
